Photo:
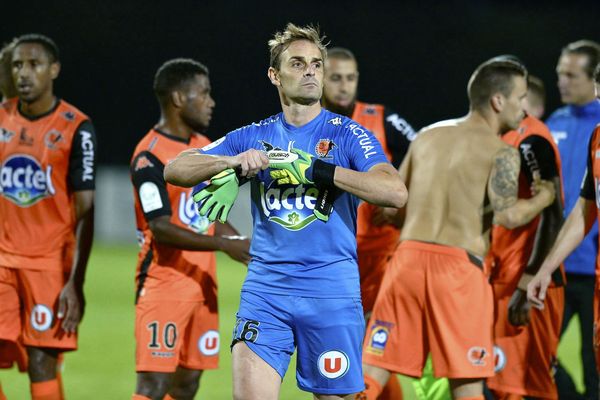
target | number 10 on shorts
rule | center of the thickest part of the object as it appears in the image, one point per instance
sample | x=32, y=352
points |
x=168, y=335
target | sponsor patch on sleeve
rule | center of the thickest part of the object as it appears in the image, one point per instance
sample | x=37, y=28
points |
x=150, y=197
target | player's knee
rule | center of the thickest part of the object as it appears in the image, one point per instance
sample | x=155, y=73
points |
x=185, y=387
x=153, y=385
x=42, y=363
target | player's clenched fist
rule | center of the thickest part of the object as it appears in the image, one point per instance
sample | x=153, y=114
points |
x=251, y=162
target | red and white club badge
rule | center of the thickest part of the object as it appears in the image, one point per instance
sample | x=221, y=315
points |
x=41, y=317
x=208, y=344
x=333, y=364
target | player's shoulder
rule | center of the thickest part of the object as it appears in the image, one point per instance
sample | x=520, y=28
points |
x=533, y=126
x=362, y=108
x=148, y=144
x=70, y=113
x=260, y=126
x=559, y=114
x=9, y=106
x=441, y=127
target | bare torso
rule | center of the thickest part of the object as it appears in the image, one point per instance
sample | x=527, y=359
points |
x=447, y=171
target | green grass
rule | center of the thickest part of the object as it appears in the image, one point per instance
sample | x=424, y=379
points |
x=103, y=367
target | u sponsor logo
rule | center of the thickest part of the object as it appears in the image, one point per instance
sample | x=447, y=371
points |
x=208, y=344
x=499, y=359
x=333, y=364
x=41, y=317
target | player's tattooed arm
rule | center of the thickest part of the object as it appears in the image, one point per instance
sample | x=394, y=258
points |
x=503, y=188
x=504, y=179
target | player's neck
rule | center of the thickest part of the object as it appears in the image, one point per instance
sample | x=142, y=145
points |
x=300, y=114
x=485, y=120
x=40, y=106
x=174, y=127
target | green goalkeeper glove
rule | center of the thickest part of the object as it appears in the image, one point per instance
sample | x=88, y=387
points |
x=297, y=167
x=217, y=198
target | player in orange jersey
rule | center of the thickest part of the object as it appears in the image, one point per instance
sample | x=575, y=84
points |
x=47, y=153
x=376, y=239
x=176, y=302
x=526, y=342
x=577, y=225
x=435, y=297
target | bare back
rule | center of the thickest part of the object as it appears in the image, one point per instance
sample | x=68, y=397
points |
x=447, y=171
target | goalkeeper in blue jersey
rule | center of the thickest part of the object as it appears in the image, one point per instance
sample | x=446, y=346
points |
x=308, y=169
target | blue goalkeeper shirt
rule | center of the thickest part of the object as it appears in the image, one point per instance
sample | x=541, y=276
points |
x=293, y=253
x=572, y=126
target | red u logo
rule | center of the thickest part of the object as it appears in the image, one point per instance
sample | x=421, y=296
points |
x=40, y=318
x=331, y=369
x=210, y=343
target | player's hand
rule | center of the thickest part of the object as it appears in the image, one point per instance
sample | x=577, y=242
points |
x=544, y=188
x=71, y=304
x=518, y=308
x=217, y=198
x=237, y=247
x=291, y=167
x=250, y=163
x=537, y=288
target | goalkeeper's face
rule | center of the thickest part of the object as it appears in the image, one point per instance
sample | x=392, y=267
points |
x=300, y=75
x=198, y=105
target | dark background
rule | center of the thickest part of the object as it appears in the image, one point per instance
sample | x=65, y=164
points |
x=415, y=57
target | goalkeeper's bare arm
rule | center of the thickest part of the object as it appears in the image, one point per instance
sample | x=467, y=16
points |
x=191, y=167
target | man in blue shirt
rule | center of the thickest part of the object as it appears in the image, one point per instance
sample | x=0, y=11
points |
x=571, y=127
x=302, y=288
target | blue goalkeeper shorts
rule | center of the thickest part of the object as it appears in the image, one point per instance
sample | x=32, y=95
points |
x=327, y=332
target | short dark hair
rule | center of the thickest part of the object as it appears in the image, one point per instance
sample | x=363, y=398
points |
x=587, y=48
x=340, y=53
x=597, y=74
x=494, y=75
x=536, y=86
x=174, y=74
x=48, y=44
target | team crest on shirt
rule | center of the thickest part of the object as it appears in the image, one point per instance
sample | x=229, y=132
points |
x=53, y=138
x=333, y=364
x=477, y=356
x=499, y=359
x=24, y=181
x=323, y=147
x=6, y=135
x=378, y=337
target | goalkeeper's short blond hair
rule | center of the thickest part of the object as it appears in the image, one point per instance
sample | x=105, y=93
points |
x=282, y=40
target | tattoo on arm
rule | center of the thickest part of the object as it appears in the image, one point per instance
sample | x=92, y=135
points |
x=504, y=179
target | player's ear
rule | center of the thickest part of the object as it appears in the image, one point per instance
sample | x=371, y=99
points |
x=54, y=70
x=177, y=98
x=497, y=102
x=273, y=75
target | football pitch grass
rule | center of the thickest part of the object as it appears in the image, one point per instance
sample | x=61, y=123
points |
x=103, y=367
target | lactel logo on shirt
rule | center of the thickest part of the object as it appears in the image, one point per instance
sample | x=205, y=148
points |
x=190, y=217
x=290, y=206
x=23, y=180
